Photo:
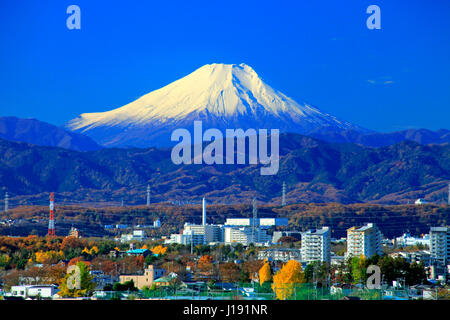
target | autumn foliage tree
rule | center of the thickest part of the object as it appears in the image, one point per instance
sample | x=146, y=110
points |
x=284, y=281
x=265, y=273
x=229, y=272
x=159, y=249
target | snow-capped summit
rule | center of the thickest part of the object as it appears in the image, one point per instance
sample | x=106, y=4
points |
x=221, y=95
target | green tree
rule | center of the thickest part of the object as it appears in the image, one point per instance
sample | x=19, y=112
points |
x=78, y=282
x=126, y=286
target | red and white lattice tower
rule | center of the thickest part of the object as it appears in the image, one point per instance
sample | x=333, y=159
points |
x=51, y=221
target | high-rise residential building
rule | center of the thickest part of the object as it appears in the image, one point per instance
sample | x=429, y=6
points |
x=316, y=245
x=365, y=240
x=440, y=244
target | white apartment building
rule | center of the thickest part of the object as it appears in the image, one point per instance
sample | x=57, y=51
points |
x=364, y=241
x=316, y=245
x=440, y=245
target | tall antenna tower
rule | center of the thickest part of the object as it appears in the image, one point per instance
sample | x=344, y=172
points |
x=283, y=197
x=51, y=221
x=6, y=202
x=255, y=217
x=148, y=195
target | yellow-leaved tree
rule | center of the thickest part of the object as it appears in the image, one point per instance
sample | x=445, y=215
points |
x=265, y=273
x=284, y=281
x=93, y=250
x=48, y=257
x=160, y=250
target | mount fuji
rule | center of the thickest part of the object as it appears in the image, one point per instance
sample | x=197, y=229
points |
x=222, y=96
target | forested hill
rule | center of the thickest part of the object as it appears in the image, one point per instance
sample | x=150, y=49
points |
x=314, y=171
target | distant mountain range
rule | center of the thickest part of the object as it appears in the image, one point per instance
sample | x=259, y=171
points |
x=43, y=134
x=379, y=139
x=314, y=171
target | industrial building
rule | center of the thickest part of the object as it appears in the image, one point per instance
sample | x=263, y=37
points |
x=262, y=222
x=245, y=235
x=211, y=233
x=235, y=230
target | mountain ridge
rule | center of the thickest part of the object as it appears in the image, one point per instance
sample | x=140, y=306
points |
x=44, y=134
x=314, y=171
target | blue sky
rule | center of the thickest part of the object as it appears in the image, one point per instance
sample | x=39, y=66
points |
x=320, y=52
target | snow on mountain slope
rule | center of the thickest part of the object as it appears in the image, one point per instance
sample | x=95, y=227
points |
x=221, y=95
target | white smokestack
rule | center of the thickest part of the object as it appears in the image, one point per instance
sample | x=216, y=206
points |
x=204, y=212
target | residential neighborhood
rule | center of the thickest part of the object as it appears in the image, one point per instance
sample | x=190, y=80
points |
x=241, y=259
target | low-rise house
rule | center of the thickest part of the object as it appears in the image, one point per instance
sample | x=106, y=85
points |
x=101, y=279
x=137, y=235
x=167, y=280
x=414, y=256
x=280, y=254
x=139, y=252
x=337, y=260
